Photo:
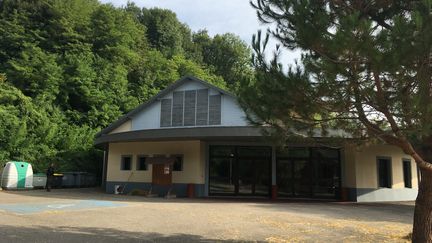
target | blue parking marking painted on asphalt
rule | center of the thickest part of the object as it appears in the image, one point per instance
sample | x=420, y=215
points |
x=28, y=208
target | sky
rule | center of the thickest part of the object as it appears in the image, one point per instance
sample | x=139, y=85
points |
x=217, y=17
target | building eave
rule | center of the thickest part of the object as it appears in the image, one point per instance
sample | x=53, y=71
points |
x=178, y=134
x=213, y=133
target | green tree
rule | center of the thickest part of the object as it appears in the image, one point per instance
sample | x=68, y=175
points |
x=228, y=55
x=36, y=73
x=164, y=31
x=366, y=68
x=116, y=35
x=75, y=66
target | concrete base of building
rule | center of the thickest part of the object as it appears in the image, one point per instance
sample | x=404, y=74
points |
x=381, y=194
x=179, y=189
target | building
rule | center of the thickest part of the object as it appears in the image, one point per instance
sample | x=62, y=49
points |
x=194, y=137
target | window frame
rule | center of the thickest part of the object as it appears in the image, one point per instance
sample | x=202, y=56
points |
x=122, y=162
x=181, y=162
x=215, y=109
x=178, y=108
x=389, y=171
x=405, y=160
x=166, y=115
x=187, y=108
x=138, y=165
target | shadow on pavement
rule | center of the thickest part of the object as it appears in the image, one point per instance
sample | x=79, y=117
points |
x=87, y=234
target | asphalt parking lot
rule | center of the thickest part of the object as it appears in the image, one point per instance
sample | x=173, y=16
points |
x=89, y=215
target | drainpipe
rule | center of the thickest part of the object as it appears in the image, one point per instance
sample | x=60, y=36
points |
x=104, y=168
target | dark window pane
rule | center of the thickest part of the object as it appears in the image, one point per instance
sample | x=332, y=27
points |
x=221, y=175
x=177, y=113
x=302, y=178
x=202, y=107
x=189, y=112
x=178, y=163
x=325, y=153
x=246, y=175
x=126, y=163
x=141, y=163
x=407, y=173
x=214, y=109
x=384, y=174
x=326, y=173
x=253, y=176
x=284, y=177
x=294, y=152
x=254, y=152
x=165, y=119
x=262, y=180
x=224, y=151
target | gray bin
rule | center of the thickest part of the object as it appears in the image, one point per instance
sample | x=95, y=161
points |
x=69, y=179
x=39, y=180
x=81, y=179
x=78, y=179
x=90, y=180
x=74, y=179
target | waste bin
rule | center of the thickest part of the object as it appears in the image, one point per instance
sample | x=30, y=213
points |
x=17, y=175
x=39, y=180
x=90, y=180
x=80, y=180
x=57, y=180
x=69, y=179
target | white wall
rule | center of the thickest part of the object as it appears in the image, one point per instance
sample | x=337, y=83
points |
x=232, y=113
x=149, y=118
x=193, y=160
x=367, y=188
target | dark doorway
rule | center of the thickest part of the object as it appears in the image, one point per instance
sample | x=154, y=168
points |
x=239, y=170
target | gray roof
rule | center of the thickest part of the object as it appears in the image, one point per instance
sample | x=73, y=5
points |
x=176, y=134
x=212, y=133
x=170, y=88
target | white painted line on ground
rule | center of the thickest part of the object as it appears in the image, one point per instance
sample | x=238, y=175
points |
x=61, y=206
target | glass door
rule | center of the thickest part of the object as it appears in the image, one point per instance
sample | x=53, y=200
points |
x=254, y=176
x=302, y=178
x=262, y=177
x=246, y=176
x=284, y=177
x=308, y=172
x=221, y=176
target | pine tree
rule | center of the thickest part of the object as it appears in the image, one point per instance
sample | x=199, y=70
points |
x=366, y=68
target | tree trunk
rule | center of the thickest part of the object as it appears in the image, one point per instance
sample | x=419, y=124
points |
x=422, y=228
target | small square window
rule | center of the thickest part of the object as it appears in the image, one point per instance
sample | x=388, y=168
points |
x=178, y=163
x=126, y=162
x=141, y=162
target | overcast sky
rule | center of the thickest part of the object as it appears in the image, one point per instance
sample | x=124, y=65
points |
x=216, y=16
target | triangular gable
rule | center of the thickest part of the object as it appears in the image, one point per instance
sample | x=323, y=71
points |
x=155, y=98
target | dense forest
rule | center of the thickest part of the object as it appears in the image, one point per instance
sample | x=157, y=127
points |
x=70, y=68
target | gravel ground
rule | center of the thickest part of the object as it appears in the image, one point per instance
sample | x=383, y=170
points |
x=89, y=215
